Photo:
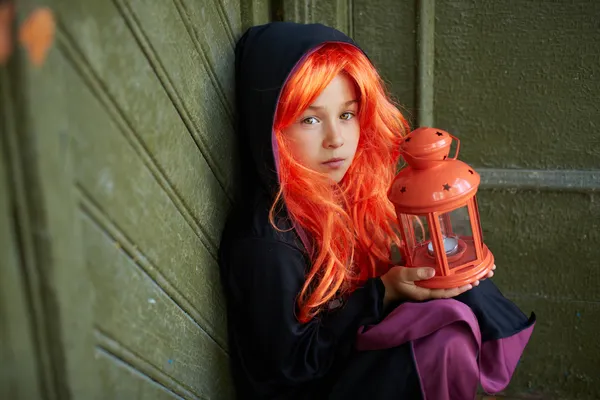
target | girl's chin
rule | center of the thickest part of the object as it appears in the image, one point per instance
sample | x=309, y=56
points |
x=337, y=176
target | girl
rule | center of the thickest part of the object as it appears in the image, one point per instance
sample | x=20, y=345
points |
x=315, y=307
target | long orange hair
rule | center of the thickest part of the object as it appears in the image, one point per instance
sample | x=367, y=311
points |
x=351, y=225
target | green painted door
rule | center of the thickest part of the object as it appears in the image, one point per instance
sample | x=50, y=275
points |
x=116, y=174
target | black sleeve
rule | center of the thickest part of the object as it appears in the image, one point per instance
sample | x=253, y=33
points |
x=498, y=317
x=264, y=278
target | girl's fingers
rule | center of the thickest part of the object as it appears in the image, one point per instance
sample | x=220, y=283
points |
x=415, y=274
x=448, y=293
x=464, y=288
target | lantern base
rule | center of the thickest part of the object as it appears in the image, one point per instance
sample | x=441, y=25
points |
x=462, y=276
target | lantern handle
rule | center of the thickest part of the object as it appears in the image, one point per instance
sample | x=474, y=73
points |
x=447, y=158
x=457, y=147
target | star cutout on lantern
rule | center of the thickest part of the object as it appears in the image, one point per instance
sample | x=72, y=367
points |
x=447, y=187
x=439, y=133
x=403, y=189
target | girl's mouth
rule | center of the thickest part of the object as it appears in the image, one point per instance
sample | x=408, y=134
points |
x=334, y=163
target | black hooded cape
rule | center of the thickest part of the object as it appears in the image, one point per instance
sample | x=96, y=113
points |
x=272, y=355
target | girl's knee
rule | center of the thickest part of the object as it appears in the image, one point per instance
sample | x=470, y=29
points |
x=460, y=352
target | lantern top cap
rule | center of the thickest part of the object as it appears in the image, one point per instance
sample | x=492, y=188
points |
x=432, y=181
x=424, y=146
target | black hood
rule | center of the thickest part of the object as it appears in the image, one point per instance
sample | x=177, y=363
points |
x=264, y=57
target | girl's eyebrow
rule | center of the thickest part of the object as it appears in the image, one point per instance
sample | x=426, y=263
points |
x=346, y=104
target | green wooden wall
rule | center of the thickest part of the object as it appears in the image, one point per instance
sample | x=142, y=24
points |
x=517, y=82
x=117, y=168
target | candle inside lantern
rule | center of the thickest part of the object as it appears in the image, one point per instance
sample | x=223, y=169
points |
x=450, y=245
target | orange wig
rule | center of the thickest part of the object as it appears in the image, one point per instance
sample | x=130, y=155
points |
x=351, y=225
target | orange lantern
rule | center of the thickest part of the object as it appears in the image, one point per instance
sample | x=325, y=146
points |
x=436, y=207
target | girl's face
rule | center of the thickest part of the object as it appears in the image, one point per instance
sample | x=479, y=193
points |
x=325, y=137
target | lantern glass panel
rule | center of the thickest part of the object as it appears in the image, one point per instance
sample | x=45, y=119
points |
x=457, y=234
x=407, y=230
x=420, y=239
x=421, y=229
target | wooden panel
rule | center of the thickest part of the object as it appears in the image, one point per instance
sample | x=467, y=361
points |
x=561, y=359
x=214, y=34
x=147, y=322
x=132, y=116
x=139, y=366
x=518, y=81
x=122, y=381
x=334, y=13
x=255, y=12
x=152, y=118
x=123, y=193
x=196, y=51
x=298, y=11
x=544, y=243
x=233, y=15
x=194, y=61
x=386, y=29
x=19, y=365
x=44, y=212
x=109, y=56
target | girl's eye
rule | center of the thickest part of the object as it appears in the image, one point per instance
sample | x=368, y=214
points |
x=347, y=115
x=310, y=121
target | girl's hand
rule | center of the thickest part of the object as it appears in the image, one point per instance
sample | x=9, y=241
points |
x=400, y=281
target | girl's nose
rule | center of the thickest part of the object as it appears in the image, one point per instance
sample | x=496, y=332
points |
x=333, y=138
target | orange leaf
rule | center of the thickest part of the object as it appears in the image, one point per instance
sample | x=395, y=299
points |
x=37, y=34
x=6, y=17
